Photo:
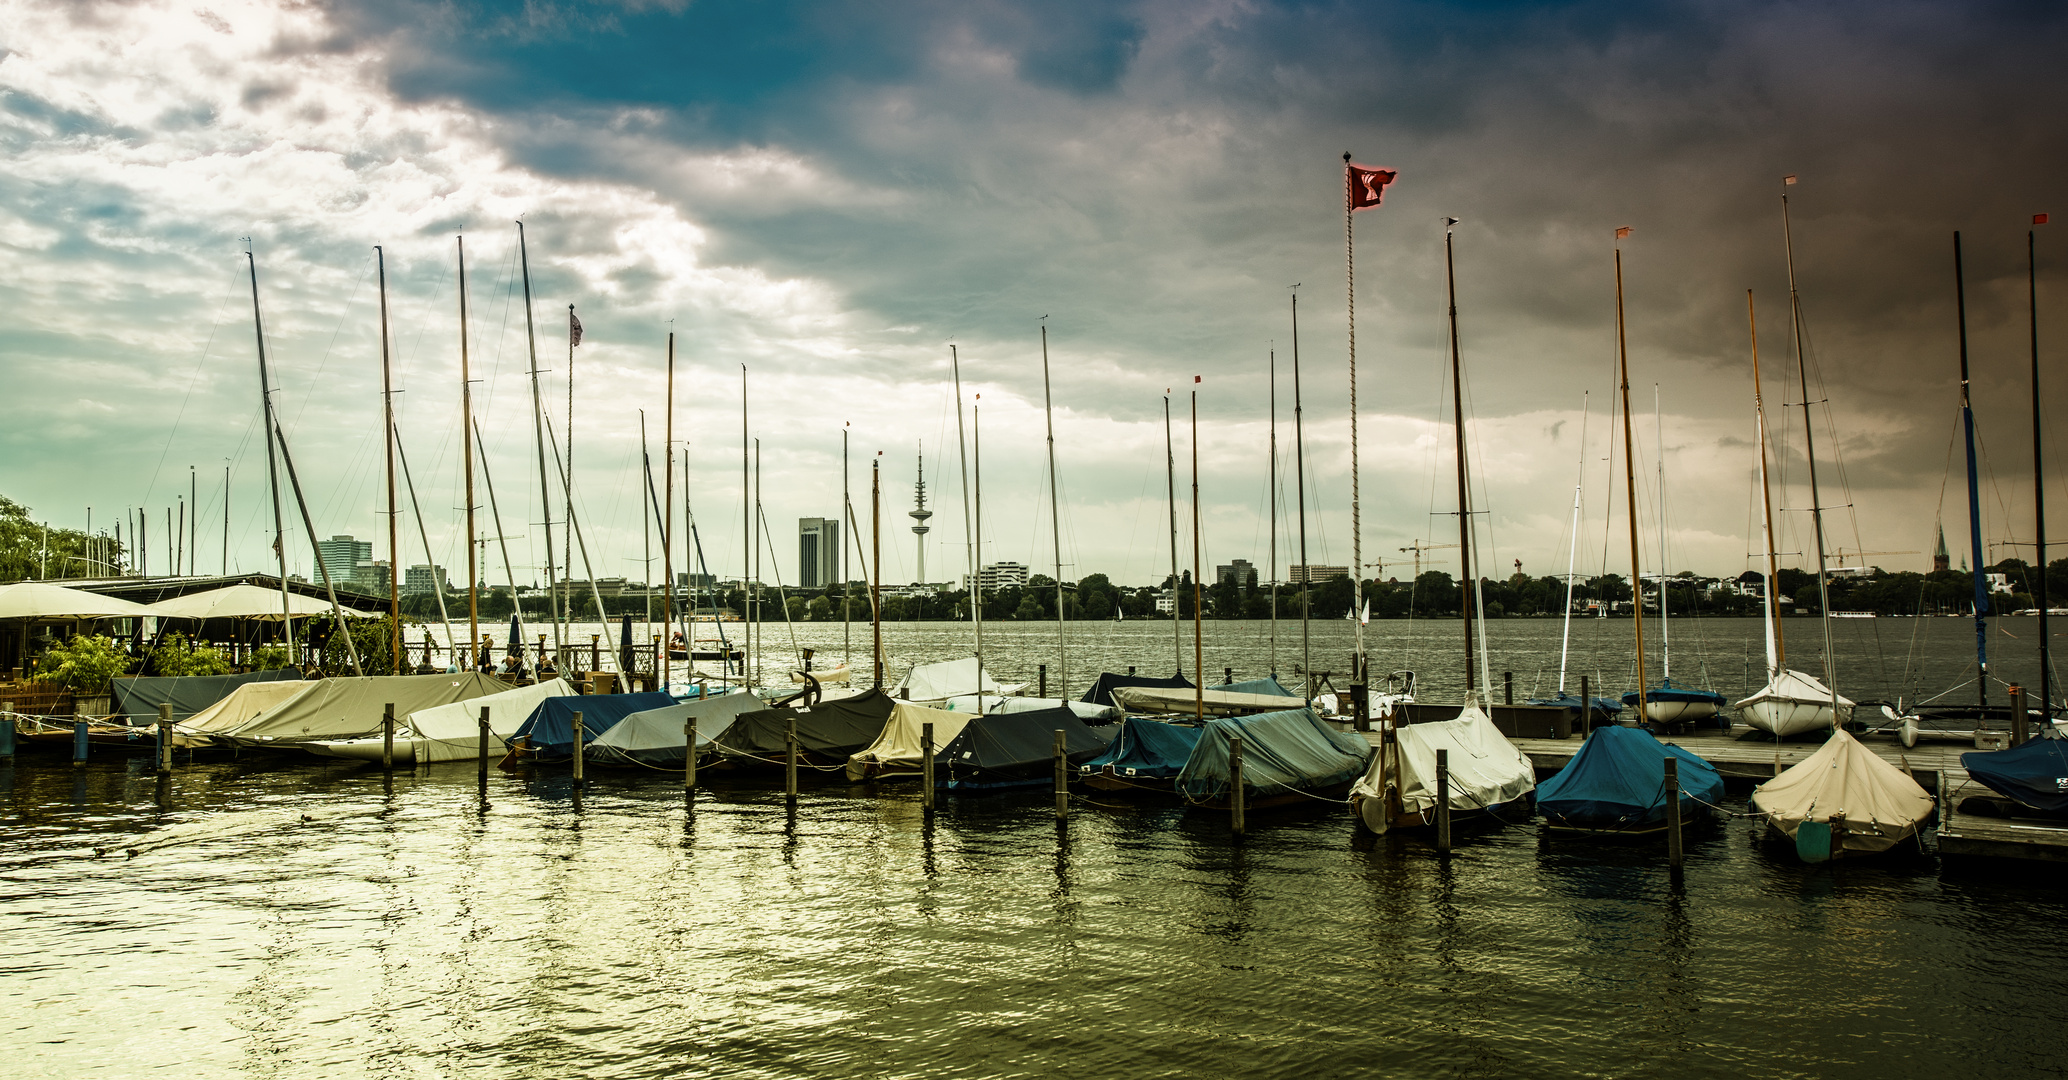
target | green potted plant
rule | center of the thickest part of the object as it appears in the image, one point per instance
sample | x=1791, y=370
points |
x=83, y=664
x=174, y=656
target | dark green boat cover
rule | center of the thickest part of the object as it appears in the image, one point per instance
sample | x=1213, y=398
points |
x=1290, y=749
x=1147, y=748
x=1268, y=685
x=137, y=700
x=1005, y=750
x=1101, y=692
x=833, y=729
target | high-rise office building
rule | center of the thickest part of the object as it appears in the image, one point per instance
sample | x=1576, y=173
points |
x=340, y=555
x=818, y=552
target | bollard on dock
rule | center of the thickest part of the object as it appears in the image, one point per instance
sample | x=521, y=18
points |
x=1443, y=800
x=926, y=766
x=1673, y=850
x=1238, y=798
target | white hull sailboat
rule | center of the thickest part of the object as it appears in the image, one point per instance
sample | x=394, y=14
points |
x=1794, y=703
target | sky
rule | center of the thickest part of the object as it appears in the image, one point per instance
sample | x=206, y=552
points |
x=824, y=199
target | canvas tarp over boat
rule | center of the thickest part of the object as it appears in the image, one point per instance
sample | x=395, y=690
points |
x=1003, y=750
x=2035, y=774
x=137, y=700
x=830, y=729
x=549, y=730
x=450, y=732
x=1146, y=748
x=1882, y=806
x=241, y=706
x=655, y=737
x=897, y=746
x=1289, y=749
x=1101, y=692
x=1618, y=780
x=1268, y=685
x=991, y=704
x=933, y=682
x=351, y=707
x=1217, y=702
x=1486, y=770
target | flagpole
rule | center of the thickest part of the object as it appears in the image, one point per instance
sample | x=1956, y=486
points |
x=1356, y=521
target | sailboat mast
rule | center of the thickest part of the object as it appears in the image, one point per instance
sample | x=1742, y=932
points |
x=1356, y=503
x=747, y=553
x=847, y=529
x=467, y=456
x=538, y=424
x=2046, y=701
x=424, y=535
x=1457, y=391
x=1630, y=486
x=1300, y=494
x=1170, y=480
x=258, y=327
x=1271, y=497
x=567, y=476
x=495, y=517
x=388, y=442
x=1809, y=447
x=876, y=562
x=1974, y=491
x=1776, y=643
x=1055, y=522
x=667, y=515
x=1659, y=448
x=969, y=523
x=1198, y=614
x=1572, y=552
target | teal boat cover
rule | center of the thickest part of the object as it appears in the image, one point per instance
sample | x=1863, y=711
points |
x=2035, y=774
x=1268, y=685
x=1618, y=780
x=137, y=700
x=1289, y=749
x=1007, y=750
x=1146, y=748
x=549, y=730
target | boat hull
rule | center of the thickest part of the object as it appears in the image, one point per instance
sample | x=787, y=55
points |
x=1781, y=717
x=1679, y=712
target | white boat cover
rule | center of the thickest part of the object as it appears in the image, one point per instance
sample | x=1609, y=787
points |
x=243, y=703
x=656, y=734
x=1485, y=768
x=1163, y=699
x=935, y=682
x=1791, y=703
x=1881, y=804
x=898, y=745
x=351, y=707
x=992, y=704
x=450, y=732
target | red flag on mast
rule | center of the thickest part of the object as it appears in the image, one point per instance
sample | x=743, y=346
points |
x=1365, y=185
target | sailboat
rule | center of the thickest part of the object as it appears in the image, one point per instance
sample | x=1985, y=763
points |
x=1792, y=702
x=1667, y=704
x=1487, y=773
x=1567, y=699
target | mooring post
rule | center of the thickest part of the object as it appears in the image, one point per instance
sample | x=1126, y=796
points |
x=1507, y=688
x=1062, y=779
x=1586, y=707
x=1227, y=675
x=595, y=652
x=7, y=730
x=2017, y=715
x=165, y=736
x=578, y=749
x=1130, y=669
x=926, y=766
x=790, y=760
x=1443, y=800
x=481, y=747
x=1238, y=798
x=1945, y=805
x=689, y=754
x=388, y=736
x=1673, y=852
x=1042, y=692
x=79, y=742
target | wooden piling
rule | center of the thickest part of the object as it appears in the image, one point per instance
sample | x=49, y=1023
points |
x=926, y=766
x=578, y=748
x=1238, y=798
x=1062, y=779
x=7, y=730
x=1443, y=800
x=1507, y=687
x=689, y=754
x=1227, y=675
x=1586, y=707
x=1673, y=846
x=165, y=737
x=79, y=742
x=388, y=736
x=790, y=760
x=2017, y=715
x=481, y=748
x=1040, y=692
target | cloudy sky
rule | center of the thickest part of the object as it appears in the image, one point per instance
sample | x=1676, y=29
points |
x=830, y=195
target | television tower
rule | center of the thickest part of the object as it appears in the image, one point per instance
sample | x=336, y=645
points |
x=920, y=513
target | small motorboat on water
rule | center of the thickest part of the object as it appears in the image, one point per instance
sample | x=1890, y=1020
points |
x=1843, y=801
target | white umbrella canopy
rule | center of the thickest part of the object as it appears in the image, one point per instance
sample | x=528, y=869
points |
x=42, y=600
x=243, y=601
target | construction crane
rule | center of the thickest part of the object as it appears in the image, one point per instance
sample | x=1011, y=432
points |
x=1418, y=547
x=1843, y=555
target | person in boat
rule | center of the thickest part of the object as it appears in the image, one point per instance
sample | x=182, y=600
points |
x=676, y=643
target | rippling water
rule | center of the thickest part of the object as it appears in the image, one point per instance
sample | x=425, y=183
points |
x=294, y=920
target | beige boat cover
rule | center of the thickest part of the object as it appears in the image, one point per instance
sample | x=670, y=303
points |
x=1882, y=806
x=1485, y=768
x=351, y=707
x=246, y=601
x=243, y=703
x=1166, y=699
x=450, y=732
x=898, y=745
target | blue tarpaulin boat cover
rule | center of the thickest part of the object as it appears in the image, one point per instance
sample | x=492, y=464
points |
x=1147, y=748
x=1004, y=750
x=1269, y=684
x=2035, y=774
x=549, y=730
x=1666, y=691
x=1618, y=780
x=1289, y=749
x=1101, y=692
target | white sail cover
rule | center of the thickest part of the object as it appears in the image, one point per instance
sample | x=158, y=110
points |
x=243, y=703
x=1882, y=806
x=352, y=707
x=449, y=732
x=936, y=682
x=1791, y=703
x=1485, y=768
x=898, y=746
x=993, y=704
